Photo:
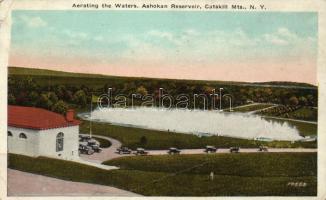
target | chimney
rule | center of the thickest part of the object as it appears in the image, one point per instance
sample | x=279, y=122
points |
x=70, y=115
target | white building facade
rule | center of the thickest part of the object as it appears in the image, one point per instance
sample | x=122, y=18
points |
x=54, y=136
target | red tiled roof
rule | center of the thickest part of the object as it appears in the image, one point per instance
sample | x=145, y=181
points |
x=36, y=118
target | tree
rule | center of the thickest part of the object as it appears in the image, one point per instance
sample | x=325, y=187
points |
x=80, y=98
x=45, y=102
x=311, y=100
x=68, y=96
x=294, y=101
x=11, y=99
x=52, y=97
x=142, y=90
x=303, y=101
x=143, y=140
x=60, y=91
x=60, y=107
x=33, y=98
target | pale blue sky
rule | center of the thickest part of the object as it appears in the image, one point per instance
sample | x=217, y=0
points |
x=125, y=38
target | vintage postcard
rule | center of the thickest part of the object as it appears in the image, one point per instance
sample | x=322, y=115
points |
x=106, y=99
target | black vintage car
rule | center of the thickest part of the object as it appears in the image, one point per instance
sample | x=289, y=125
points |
x=94, y=145
x=83, y=138
x=234, y=149
x=262, y=148
x=174, y=150
x=141, y=151
x=84, y=149
x=210, y=149
x=124, y=150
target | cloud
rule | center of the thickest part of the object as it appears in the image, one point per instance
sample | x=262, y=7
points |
x=74, y=34
x=99, y=38
x=209, y=46
x=189, y=46
x=283, y=36
x=33, y=22
x=194, y=38
x=275, y=40
x=163, y=35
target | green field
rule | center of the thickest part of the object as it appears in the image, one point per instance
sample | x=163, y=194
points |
x=304, y=129
x=242, y=164
x=264, y=174
x=62, y=77
x=46, y=77
x=131, y=137
x=304, y=113
x=45, y=72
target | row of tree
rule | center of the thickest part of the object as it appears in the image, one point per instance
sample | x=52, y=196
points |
x=58, y=97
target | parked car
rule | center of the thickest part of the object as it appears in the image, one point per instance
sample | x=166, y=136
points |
x=95, y=145
x=174, y=150
x=262, y=148
x=124, y=150
x=210, y=149
x=83, y=138
x=84, y=149
x=141, y=151
x=234, y=149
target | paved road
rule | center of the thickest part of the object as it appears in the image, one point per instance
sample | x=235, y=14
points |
x=243, y=106
x=27, y=184
x=243, y=150
x=110, y=153
x=255, y=111
x=106, y=154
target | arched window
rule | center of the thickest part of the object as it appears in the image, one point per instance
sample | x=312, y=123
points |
x=23, y=136
x=9, y=133
x=59, y=142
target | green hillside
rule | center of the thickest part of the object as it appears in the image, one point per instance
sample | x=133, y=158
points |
x=56, y=91
x=46, y=72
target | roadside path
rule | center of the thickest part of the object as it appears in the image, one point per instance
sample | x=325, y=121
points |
x=110, y=153
x=288, y=119
x=106, y=153
x=243, y=106
x=27, y=184
x=255, y=111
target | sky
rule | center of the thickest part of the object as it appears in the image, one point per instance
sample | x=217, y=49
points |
x=229, y=46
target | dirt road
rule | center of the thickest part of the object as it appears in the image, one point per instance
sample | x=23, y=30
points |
x=110, y=153
x=105, y=153
x=27, y=184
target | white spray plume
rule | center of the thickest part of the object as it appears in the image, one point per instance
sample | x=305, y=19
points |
x=237, y=125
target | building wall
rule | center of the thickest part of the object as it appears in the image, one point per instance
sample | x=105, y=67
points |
x=28, y=146
x=48, y=138
x=43, y=142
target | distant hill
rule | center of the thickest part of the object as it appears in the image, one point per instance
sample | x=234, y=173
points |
x=47, y=72
x=21, y=71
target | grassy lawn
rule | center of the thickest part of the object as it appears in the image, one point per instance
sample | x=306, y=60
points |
x=242, y=164
x=304, y=129
x=304, y=113
x=131, y=137
x=188, y=175
x=253, y=107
